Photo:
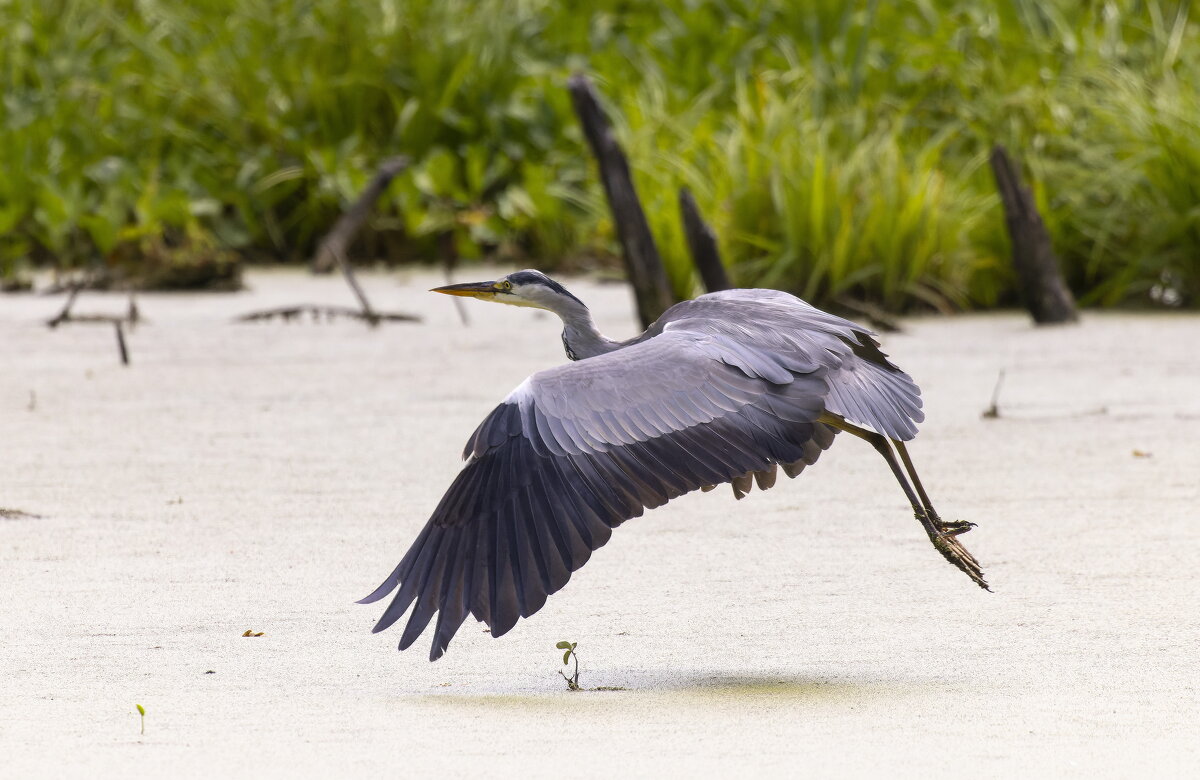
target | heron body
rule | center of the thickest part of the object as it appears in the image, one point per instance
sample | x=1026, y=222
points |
x=726, y=388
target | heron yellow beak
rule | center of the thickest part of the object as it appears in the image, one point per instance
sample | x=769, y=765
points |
x=468, y=290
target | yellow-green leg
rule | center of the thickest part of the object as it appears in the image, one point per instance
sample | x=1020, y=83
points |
x=942, y=534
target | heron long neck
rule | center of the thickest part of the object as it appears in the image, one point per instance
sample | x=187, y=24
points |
x=580, y=337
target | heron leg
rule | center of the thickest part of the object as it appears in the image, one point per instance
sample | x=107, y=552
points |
x=943, y=535
x=954, y=528
x=881, y=445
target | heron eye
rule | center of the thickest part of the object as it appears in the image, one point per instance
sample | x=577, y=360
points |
x=506, y=285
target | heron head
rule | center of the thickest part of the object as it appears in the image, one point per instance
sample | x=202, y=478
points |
x=522, y=288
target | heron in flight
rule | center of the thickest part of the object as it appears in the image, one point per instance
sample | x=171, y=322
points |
x=728, y=387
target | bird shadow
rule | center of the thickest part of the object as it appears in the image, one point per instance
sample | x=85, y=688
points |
x=700, y=689
x=785, y=688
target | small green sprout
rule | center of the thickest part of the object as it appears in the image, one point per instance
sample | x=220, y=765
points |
x=142, y=712
x=568, y=649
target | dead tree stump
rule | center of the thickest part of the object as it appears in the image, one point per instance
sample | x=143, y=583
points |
x=1039, y=277
x=337, y=242
x=333, y=248
x=651, y=288
x=702, y=243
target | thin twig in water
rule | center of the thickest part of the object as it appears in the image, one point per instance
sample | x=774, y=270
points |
x=368, y=313
x=121, y=343
x=449, y=261
x=65, y=314
x=337, y=242
x=289, y=313
x=993, y=411
x=134, y=316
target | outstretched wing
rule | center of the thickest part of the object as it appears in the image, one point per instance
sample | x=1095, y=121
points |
x=578, y=449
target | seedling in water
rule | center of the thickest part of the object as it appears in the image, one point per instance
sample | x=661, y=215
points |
x=142, y=712
x=568, y=654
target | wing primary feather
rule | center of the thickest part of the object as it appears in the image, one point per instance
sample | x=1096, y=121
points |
x=533, y=576
x=695, y=459
x=463, y=499
x=503, y=596
x=555, y=553
x=428, y=589
x=674, y=483
x=455, y=595
x=711, y=448
x=624, y=488
x=595, y=519
x=495, y=573
x=577, y=546
x=406, y=577
x=511, y=545
x=613, y=495
x=480, y=593
x=544, y=502
x=649, y=488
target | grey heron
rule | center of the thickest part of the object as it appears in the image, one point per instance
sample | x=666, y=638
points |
x=725, y=388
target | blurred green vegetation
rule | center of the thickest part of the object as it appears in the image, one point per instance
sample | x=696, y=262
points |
x=836, y=147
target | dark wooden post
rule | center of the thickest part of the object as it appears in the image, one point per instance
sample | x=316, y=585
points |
x=335, y=244
x=332, y=250
x=651, y=288
x=1041, y=282
x=702, y=243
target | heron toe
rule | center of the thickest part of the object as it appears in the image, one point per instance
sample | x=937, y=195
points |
x=953, y=551
x=953, y=527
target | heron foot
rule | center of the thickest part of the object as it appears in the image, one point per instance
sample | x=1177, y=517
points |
x=944, y=536
x=953, y=527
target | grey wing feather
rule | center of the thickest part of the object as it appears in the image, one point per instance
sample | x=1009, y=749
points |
x=782, y=331
x=722, y=389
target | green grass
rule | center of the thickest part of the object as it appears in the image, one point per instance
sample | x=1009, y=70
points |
x=837, y=148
